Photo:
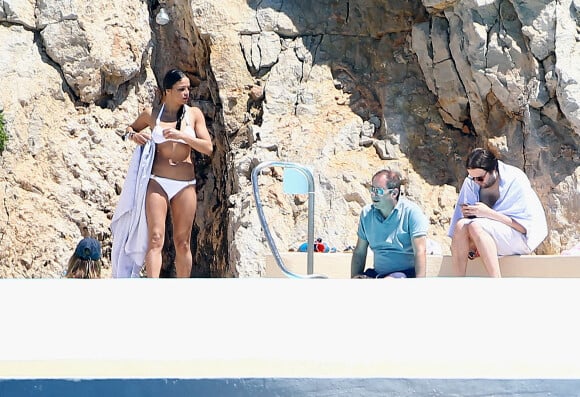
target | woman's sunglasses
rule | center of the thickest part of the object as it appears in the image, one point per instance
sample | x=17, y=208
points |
x=478, y=178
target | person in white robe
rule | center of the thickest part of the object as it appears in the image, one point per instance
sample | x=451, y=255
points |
x=497, y=213
x=129, y=224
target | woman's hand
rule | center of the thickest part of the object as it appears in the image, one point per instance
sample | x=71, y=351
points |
x=172, y=133
x=140, y=138
x=477, y=210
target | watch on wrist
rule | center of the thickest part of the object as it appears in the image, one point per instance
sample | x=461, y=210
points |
x=128, y=133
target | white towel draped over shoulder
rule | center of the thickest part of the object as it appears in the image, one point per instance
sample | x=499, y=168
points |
x=517, y=199
x=129, y=224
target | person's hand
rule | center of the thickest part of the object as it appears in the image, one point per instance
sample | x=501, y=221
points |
x=140, y=138
x=466, y=211
x=477, y=210
x=172, y=133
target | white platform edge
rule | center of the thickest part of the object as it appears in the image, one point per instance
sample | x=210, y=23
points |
x=280, y=328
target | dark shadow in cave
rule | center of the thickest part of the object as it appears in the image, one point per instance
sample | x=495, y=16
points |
x=367, y=50
x=366, y=46
x=209, y=233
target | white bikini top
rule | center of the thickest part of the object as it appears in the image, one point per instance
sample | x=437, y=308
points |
x=157, y=133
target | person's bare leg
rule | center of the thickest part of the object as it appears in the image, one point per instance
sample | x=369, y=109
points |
x=460, y=248
x=183, y=207
x=487, y=249
x=156, y=211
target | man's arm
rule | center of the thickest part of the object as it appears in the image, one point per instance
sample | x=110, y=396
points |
x=359, y=257
x=420, y=252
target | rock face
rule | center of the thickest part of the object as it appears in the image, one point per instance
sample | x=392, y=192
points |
x=345, y=89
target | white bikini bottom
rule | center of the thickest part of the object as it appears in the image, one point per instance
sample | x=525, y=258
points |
x=171, y=186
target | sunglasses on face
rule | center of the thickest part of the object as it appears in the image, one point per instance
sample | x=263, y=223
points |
x=379, y=191
x=478, y=178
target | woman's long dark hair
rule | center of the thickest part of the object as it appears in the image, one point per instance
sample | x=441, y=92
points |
x=485, y=159
x=172, y=77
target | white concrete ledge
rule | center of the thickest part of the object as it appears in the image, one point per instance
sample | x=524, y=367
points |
x=431, y=328
x=337, y=265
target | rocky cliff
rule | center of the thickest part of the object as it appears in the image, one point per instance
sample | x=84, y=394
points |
x=344, y=88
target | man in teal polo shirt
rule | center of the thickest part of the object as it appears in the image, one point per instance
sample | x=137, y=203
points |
x=394, y=228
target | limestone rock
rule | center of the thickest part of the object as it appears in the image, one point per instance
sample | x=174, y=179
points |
x=96, y=44
x=18, y=12
x=344, y=88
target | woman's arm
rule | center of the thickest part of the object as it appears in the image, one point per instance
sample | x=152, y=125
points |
x=202, y=141
x=481, y=210
x=134, y=131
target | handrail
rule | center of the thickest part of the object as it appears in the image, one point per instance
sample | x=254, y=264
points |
x=310, y=250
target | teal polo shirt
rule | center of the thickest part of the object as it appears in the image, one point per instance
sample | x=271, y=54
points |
x=390, y=239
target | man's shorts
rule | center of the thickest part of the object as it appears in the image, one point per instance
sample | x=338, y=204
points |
x=407, y=273
x=507, y=239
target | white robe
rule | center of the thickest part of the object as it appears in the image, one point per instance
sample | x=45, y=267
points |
x=129, y=224
x=517, y=200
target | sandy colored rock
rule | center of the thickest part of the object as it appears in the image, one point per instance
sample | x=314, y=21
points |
x=343, y=88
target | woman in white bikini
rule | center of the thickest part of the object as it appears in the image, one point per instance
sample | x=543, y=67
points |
x=176, y=128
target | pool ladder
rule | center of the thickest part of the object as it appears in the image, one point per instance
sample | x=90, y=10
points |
x=297, y=179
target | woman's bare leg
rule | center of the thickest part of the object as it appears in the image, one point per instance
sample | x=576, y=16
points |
x=156, y=211
x=183, y=207
x=487, y=249
x=460, y=247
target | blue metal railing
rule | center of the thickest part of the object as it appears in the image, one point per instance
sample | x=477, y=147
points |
x=305, y=173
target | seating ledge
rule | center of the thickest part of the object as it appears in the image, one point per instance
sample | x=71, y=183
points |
x=337, y=265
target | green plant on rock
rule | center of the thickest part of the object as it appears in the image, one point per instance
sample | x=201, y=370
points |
x=3, y=135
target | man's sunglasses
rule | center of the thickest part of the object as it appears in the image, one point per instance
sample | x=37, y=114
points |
x=478, y=178
x=379, y=191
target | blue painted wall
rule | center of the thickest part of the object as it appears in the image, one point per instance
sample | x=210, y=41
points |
x=288, y=387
